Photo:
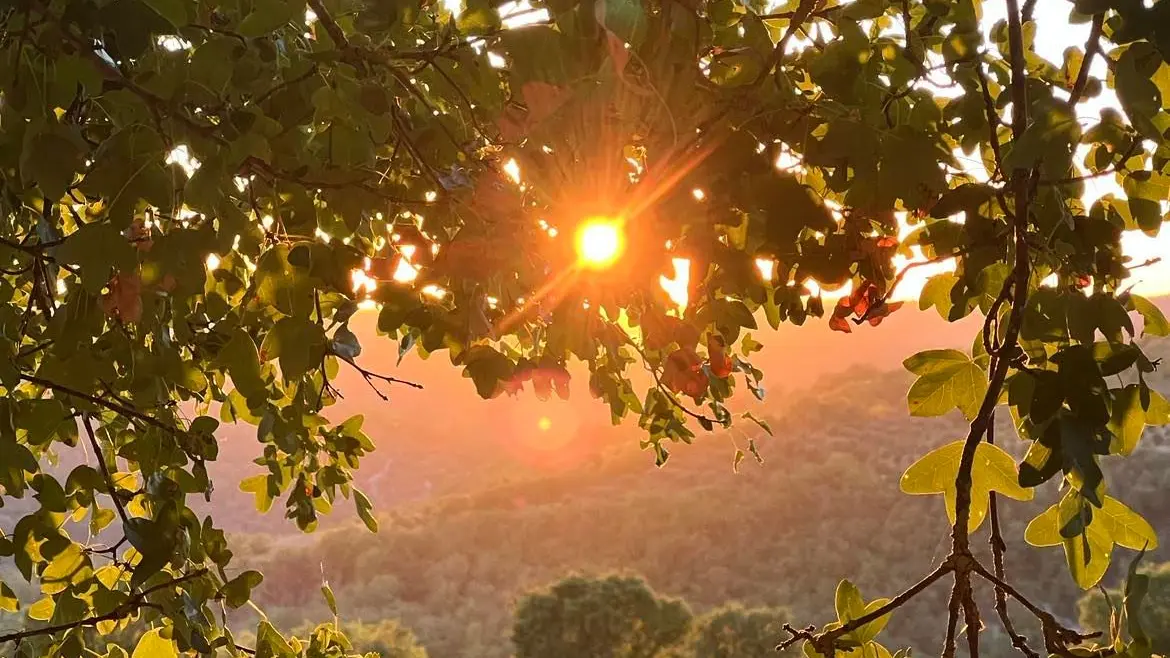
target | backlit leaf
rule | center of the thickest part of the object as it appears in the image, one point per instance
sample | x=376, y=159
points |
x=992, y=470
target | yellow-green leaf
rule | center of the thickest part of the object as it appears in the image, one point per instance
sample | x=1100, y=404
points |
x=1125, y=526
x=257, y=485
x=108, y=576
x=992, y=470
x=1087, y=554
x=1128, y=419
x=154, y=645
x=70, y=566
x=8, y=600
x=850, y=605
x=42, y=610
x=947, y=379
x=1155, y=323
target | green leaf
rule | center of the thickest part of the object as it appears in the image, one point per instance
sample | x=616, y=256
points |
x=364, y=510
x=154, y=645
x=346, y=344
x=298, y=343
x=330, y=599
x=850, y=605
x=50, y=159
x=937, y=293
x=269, y=16
x=174, y=11
x=97, y=249
x=967, y=197
x=1127, y=528
x=1154, y=321
x=237, y=591
x=257, y=485
x=1089, y=551
x=758, y=421
x=487, y=368
x=479, y=17
x=69, y=567
x=1127, y=419
x=947, y=379
x=992, y=470
x=242, y=361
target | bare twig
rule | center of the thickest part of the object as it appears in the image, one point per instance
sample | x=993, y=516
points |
x=101, y=460
x=902, y=275
x=331, y=27
x=796, y=21
x=998, y=549
x=1092, y=47
x=371, y=377
x=953, y=605
x=1021, y=273
x=993, y=121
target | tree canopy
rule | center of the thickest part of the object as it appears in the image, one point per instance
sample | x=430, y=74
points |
x=198, y=196
x=612, y=617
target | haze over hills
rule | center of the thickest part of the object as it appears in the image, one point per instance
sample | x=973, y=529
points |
x=445, y=439
x=824, y=505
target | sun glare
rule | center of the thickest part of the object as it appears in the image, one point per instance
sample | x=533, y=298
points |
x=599, y=242
x=544, y=424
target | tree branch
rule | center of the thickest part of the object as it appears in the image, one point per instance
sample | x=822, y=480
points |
x=953, y=606
x=331, y=27
x=127, y=607
x=118, y=408
x=1020, y=277
x=998, y=548
x=1111, y=169
x=371, y=376
x=993, y=121
x=1092, y=47
x=85, y=420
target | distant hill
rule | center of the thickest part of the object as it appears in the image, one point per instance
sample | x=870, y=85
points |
x=824, y=505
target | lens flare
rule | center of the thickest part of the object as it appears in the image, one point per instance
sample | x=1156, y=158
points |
x=599, y=242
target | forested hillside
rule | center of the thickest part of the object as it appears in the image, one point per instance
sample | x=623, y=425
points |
x=777, y=534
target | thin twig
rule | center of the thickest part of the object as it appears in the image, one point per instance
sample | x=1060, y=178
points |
x=121, y=409
x=99, y=454
x=902, y=275
x=952, y=621
x=371, y=376
x=998, y=549
x=993, y=121
x=661, y=386
x=1111, y=169
x=1092, y=47
x=1021, y=275
x=125, y=608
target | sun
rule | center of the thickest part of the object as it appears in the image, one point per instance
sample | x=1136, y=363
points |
x=600, y=242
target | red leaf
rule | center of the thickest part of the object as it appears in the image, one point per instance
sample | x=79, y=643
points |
x=880, y=314
x=542, y=100
x=124, y=299
x=683, y=373
x=840, y=319
x=721, y=365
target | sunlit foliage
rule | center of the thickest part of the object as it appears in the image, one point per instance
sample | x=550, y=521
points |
x=198, y=195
